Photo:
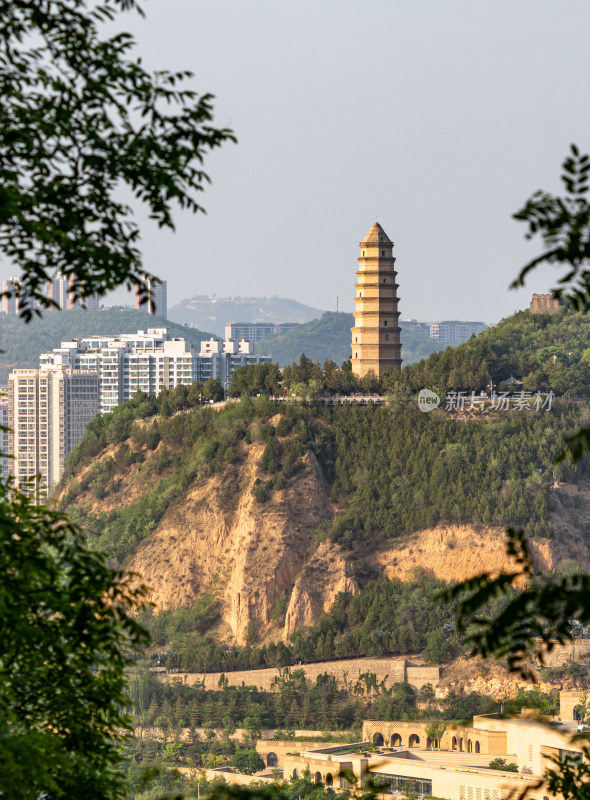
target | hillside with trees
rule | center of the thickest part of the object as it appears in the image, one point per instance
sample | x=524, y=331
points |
x=23, y=344
x=329, y=338
x=541, y=350
x=207, y=503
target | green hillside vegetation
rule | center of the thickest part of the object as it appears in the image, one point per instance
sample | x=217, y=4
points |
x=543, y=351
x=23, y=344
x=212, y=313
x=329, y=338
x=297, y=703
x=392, y=469
x=385, y=618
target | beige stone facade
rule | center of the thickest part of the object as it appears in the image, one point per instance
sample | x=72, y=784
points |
x=346, y=672
x=404, y=763
x=544, y=304
x=460, y=738
x=376, y=334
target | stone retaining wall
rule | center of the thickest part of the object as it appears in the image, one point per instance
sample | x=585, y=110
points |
x=346, y=672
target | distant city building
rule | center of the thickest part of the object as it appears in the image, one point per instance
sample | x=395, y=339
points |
x=414, y=325
x=127, y=363
x=455, y=331
x=159, y=296
x=255, y=331
x=376, y=334
x=9, y=304
x=221, y=359
x=61, y=291
x=545, y=304
x=48, y=410
x=4, y=444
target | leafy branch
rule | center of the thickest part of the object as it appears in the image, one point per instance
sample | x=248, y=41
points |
x=533, y=620
x=80, y=120
x=564, y=226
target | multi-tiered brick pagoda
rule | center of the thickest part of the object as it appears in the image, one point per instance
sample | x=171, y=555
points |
x=375, y=336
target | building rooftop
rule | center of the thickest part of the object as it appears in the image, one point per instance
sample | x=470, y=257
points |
x=375, y=235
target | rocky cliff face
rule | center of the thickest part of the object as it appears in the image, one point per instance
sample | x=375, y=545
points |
x=218, y=539
x=248, y=554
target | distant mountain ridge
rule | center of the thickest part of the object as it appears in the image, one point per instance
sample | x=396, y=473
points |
x=212, y=312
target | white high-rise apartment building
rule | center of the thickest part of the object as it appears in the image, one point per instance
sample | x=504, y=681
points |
x=48, y=410
x=147, y=360
x=221, y=359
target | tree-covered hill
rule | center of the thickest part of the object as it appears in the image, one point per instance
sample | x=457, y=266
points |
x=329, y=337
x=541, y=350
x=381, y=472
x=23, y=344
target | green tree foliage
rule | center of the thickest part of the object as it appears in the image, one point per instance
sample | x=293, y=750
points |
x=435, y=733
x=502, y=764
x=546, y=352
x=247, y=760
x=254, y=380
x=522, y=346
x=531, y=621
x=68, y=633
x=563, y=223
x=296, y=702
x=79, y=118
x=385, y=617
x=390, y=468
x=213, y=390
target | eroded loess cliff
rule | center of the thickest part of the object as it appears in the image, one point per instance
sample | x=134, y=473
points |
x=217, y=538
x=245, y=552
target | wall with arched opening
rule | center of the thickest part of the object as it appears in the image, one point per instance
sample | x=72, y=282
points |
x=378, y=740
x=329, y=779
x=295, y=775
x=414, y=740
x=317, y=777
x=477, y=750
x=397, y=733
x=272, y=760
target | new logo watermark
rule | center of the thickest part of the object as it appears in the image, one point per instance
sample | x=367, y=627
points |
x=427, y=400
x=501, y=401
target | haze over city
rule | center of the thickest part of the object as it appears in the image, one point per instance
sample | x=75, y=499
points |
x=437, y=119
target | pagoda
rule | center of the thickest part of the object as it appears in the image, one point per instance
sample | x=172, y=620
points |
x=375, y=337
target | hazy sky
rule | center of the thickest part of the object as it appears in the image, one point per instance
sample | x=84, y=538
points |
x=436, y=117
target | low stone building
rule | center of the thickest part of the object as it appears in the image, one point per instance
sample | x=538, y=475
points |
x=396, y=755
